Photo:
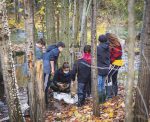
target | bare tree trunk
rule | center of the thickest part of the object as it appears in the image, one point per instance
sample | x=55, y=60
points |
x=130, y=84
x=83, y=25
x=65, y=27
x=29, y=27
x=76, y=22
x=141, y=109
x=17, y=16
x=50, y=22
x=39, y=90
x=94, y=73
x=57, y=19
x=9, y=74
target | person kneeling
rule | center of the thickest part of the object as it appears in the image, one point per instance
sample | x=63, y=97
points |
x=62, y=79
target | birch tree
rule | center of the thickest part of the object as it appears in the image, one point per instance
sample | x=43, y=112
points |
x=130, y=84
x=96, y=111
x=141, y=109
x=8, y=67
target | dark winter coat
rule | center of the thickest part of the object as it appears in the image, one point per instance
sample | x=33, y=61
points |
x=103, y=58
x=83, y=71
x=61, y=77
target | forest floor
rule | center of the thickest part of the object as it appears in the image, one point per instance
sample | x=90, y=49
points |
x=59, y=111
x=110, y=111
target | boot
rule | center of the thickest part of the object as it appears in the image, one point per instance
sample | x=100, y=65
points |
x=109, y=92
x=102, y=97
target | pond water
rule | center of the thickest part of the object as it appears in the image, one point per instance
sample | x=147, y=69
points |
x=19, y=36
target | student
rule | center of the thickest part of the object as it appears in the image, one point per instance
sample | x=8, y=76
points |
x=62, y=79
x=82, y=69
x=39, y=49
x=116, y=63
x=103, y=62
x=87, y=57
x=49, y=61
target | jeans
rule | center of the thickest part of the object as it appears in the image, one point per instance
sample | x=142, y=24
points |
x=101, y=88
x=101, y=83
x=81, y=92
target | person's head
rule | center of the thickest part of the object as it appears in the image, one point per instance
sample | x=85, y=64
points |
x=65, y=68
x=113, y=40
x=87, y=49
x=102, y=39
x=40, y=43
x=60, y=46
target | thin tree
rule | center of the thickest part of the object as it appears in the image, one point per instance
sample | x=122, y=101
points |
x=9, y=74
x=83, y=25
x=29, y=28
x=96, y=111
x=57, y=19
x=76, y=20
x=141, y=109
x=130, y=84
x=50, y=22
x=64, y=35
x=17, y=16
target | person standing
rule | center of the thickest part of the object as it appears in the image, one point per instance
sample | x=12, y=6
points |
x=82, y=68
x=103, y=63
x=116, y=62
x=49, y=61
x=39, y=49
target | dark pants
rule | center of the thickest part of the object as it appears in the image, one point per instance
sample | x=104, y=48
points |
x=48, y=82
x=81, y=92
x=88, y=88
x=112, y=77
x=56, y=88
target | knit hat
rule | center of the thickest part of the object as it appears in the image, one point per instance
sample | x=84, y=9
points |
x=102, y=38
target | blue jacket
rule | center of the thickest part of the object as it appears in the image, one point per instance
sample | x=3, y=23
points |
x=83, y=71
x=103, y=58
x=38, y=53
x=50, y=56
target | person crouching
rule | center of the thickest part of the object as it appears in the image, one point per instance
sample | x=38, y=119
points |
x=62, y=79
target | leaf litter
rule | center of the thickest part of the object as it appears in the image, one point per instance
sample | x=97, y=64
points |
x=110, y=111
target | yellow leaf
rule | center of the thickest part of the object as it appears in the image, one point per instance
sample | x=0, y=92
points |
x=111, y=115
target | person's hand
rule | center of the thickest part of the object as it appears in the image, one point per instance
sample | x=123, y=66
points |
x=61, y=86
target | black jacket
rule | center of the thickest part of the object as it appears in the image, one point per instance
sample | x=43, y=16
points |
x=83, y=71
x=60, y=77
x=103, y=58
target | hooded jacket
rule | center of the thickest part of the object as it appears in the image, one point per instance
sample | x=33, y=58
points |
x=103, y=58
x=82, y=69
x=61, y=77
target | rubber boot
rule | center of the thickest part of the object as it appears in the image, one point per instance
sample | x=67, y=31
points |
x=102, y=97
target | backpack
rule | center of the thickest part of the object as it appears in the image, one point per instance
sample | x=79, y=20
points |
x=51, y=47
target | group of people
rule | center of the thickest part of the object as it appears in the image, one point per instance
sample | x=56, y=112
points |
x=109, y=53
